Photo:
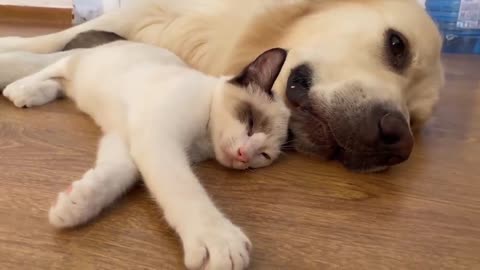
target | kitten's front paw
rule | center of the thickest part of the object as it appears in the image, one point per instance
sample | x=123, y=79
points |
x=76, y=205
x=217, y=245
x=29, y=93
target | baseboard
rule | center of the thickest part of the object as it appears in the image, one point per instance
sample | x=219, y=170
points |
x=46, y=16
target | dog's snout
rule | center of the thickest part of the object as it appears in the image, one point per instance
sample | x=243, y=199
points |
x=395, y=136
x=390, y=128
x=393, y=129
x=372, y=136
x=365, y=135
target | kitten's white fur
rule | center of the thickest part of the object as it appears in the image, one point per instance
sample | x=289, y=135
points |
x=157, y=116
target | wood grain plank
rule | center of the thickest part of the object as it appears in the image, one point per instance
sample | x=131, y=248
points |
x=39, y=3
x=59, y=16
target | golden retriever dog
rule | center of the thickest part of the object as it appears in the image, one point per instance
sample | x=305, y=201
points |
x=360, y=75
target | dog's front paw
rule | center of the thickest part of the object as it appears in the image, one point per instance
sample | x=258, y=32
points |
x=216, y=245
x=29, y=93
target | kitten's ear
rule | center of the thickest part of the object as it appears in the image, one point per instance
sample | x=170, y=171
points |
x=263, y=71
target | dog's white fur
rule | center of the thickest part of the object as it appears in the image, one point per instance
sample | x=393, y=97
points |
x=220, y=36
x=154, y=110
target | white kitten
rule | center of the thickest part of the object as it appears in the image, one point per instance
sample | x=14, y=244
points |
x=157, y=116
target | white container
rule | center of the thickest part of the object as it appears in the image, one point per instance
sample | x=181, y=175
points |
x=85, y=10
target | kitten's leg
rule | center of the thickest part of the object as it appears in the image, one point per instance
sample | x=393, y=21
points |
x=119, y=22
x=209, y=238
x=23, y=64
x=113, y=174
x=39, y=88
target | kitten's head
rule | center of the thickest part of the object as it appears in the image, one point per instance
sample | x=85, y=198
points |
x=249, y=122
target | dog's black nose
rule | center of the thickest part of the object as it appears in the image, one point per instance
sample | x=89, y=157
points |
x=393, y=136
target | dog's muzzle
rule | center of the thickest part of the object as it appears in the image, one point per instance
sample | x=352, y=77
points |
x=367, y=136
x=371, y=138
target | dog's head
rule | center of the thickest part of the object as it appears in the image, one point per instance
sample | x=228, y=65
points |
x=360, y=76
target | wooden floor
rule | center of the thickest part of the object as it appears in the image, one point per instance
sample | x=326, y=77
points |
x=39, y=3
x=301, y=213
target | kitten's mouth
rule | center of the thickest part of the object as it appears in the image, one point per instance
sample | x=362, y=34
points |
x=229, y=160
x=237, y=165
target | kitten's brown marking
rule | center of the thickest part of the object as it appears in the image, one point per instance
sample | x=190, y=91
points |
x=249, y=115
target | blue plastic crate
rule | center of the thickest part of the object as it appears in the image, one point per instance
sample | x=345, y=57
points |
x=459, y=23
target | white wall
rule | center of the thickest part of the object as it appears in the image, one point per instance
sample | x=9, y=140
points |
x=110, y=4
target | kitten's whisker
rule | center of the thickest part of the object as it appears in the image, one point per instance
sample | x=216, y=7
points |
x=289, y=142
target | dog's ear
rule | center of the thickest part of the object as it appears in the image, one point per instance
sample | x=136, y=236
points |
x=263, y=71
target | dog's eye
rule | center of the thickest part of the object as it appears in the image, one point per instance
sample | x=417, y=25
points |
x=397, y=47
x=267, y=156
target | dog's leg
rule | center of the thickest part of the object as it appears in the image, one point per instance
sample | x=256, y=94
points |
x=119, y=22
x=24, y=56
x=22, y=64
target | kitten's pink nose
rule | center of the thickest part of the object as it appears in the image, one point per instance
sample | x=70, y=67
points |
x=242, y=155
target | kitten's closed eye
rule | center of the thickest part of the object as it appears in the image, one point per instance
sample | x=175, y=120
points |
x=267, y=156
x=253, y=118
x=250, y=125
